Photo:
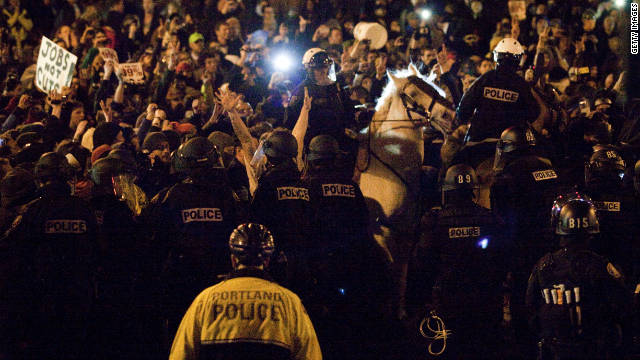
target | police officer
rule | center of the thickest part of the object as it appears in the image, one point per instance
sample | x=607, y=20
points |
x=247, y=316
x=499, y=98
x=49, y=255
x=342, y=298
x=523, y=191
x=459, y=266
x=18, y=187
x=617, y=209
x=575, y=296
x=282, y=203
x=191, y=221
x=331, y=112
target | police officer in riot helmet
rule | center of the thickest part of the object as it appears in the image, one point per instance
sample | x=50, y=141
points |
x=500, y=98
x=331, y=112
x=191, y=221
x=281, y=201
x=576, y=297
x=459, y=267
x=52, y=246
x=264, y=310
x=617, y=208
x=519, y=172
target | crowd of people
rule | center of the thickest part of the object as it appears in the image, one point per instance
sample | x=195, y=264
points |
x=119, y=196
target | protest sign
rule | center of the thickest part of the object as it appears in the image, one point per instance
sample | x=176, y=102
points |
x=55, y=66
x=108, y=54
x=132, y=72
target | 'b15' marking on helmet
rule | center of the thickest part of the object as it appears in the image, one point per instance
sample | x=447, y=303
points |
x=577, y=223
x=201, y=214
x=343, y=190
x=544, y=175
x=464, y=232
x=293, y=193
x=607, y=205
x=500, y=94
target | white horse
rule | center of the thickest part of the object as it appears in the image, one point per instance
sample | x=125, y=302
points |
x=390, y=162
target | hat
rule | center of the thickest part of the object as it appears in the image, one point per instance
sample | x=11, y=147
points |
x=100, y=152
x=221, y=140
x=153, y=141
x=28, y=138
x=184, y=128
x=17, y=184
x=195, y=37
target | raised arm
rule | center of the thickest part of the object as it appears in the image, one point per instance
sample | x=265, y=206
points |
x=300, y=129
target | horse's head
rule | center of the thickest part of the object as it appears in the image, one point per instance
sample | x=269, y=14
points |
x=424, y=100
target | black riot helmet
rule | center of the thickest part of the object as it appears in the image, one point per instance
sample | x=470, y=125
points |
x=53, y=167
x=516, y=138
x=578, y=219
x=252, y=244
x=605, y=164
x=459, y=182
x=323, y=147
x=280, y=145
x=562, y=200
x=103, y=170
x=196, y=155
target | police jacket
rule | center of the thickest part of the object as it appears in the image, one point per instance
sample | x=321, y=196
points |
x=495, y=101
x=522, y=194
x=47, y=259
x=460, y=250
x=330, y=111
x=246, y=317
x=599, y=301
x=281, y=202
x=193, y=221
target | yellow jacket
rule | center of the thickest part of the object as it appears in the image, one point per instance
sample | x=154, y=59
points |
x=246, y=309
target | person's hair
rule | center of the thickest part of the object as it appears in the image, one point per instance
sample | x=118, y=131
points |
x=219, y=24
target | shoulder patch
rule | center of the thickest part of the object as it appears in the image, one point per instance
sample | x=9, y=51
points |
x=544, y=175
x=292, y=193
x=343, y=190
x=500, y=94
x=613, y=271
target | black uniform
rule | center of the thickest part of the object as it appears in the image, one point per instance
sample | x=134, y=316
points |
x=618, y=215
x=495, y=101
x=330, y=111
x=47, y=288
x=281, y=202
x=459, y=268
x=581, y=329
x=192, y=223
x=522, y=195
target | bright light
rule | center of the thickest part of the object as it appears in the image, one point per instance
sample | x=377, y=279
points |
x=282, y=62
x=425, y=14
x=483, y=243
x=621, y=3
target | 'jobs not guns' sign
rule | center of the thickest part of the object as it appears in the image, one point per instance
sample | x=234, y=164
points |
x=55, y=66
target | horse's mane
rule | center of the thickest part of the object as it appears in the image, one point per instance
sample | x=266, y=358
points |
x=383, y=103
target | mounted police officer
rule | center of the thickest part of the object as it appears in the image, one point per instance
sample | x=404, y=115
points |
x=577, y=298
x=248, y=315
x=617, y=209
x=49, y=255
x=499, y=98
x=191, y=221
x=331, y=112
x=282, y=203
x=459, y=266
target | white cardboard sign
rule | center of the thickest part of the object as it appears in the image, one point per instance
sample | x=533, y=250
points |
x=132, y=72
x=55, y=66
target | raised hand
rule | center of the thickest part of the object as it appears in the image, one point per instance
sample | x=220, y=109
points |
x=107, y=111
x=308, y=100
x=108, y=69
x=444, y=61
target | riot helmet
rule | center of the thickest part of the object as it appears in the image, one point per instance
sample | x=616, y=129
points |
x=512, y=139
x=53, y=166
x=280, y=145
x=252, y=244
x=508, y=53
x=577, y=217
x=562, y=200
x=459, y=182
x=316, y=58
x=104, y=170
x=605, y=164
x=196, y=155
x=323, y=147
x=17, y=187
